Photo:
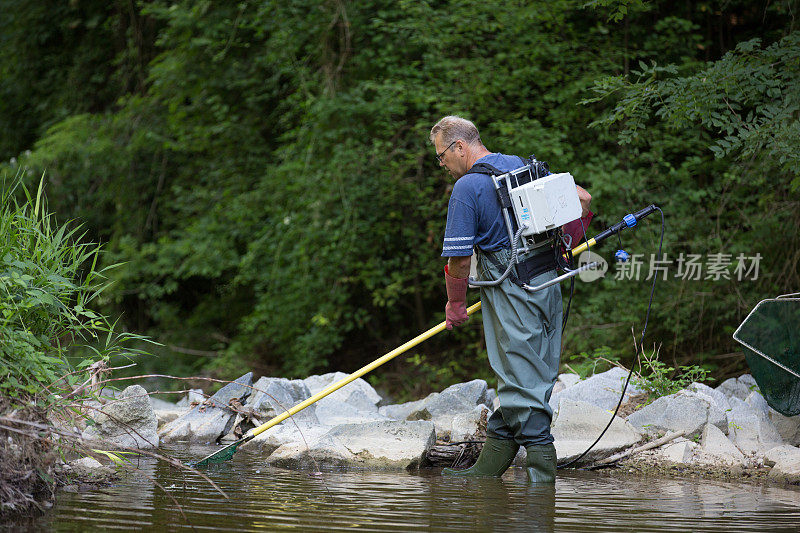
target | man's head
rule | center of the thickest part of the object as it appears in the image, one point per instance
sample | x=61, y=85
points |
x=457, y=143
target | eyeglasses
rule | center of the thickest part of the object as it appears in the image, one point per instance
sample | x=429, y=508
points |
x=439, y=156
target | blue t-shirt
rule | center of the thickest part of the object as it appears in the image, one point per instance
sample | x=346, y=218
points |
x=474, y=217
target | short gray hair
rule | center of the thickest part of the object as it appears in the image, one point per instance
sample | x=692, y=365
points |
x=454, y=128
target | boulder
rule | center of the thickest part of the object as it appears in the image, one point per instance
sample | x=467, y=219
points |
x=442, y=407
x=719, y=398
x=127, y=421
x=473, y=392
x=390, y=445
x=400, y=411
x=602, y=390
x=740, y=387
x=491, y=396
x=354, y=403
x=193, y=396
x=316, y=384
x=165, y=416
x=295, y=436
x=788, y=426
x=786, y=468
x=757, y=402
x=272, y=396
x=750, y=428
x=578, y=424
x=331, y=413
x=88, y=469
x=780, y=453
x=464, y=426
x=569, y=379
x=685, y=410
x=678, y=451
x=715, y=444
x=213, y=418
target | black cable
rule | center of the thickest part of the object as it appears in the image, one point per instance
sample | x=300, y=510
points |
x=569, y=304
x=641, y=343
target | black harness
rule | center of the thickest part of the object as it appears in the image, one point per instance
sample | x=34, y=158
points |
x=533, y=266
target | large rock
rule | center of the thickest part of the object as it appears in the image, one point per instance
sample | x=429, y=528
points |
x=272, y=396
x=569, y=379
x=354, y=403
x=786, y=467
x=565, y=381
x=602, y=390
x=750, y=428
x=192, y=396
x=780, y=453
x=714, y=443
x=391, y=445
x=740, y=387
x=456, y=406
x=719, y=398
x=401, y=411
x=127, y=421
x=684, y=410
x=678, y=451
x=353, y=392
x=578, y=424
x=464, y=426
x=788, y=426
x=293, y=435
x=213, y=418
x=458, y=398
x=165, y=416
x=88, y=469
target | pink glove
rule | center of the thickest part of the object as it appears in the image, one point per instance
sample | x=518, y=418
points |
x=456, y=309
x=575, y=229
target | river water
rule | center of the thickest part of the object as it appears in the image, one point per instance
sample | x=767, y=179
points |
x=262, y=498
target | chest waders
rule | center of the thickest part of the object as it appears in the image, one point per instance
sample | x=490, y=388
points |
x=522, y=321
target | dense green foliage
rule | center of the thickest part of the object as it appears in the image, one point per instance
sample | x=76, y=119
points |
x=262, y=168
x=48, y=280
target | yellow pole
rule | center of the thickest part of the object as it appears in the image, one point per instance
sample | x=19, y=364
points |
x=357, y=374
x=583, y=247
x=376, y=363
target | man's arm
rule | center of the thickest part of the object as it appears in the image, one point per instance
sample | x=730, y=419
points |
x=455, y=275
x=585, y=198
x=458, y=267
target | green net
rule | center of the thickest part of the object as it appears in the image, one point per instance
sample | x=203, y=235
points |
x=220, y=456
x=770, y=336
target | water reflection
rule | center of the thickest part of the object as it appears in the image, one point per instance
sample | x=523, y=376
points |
x=263, y=498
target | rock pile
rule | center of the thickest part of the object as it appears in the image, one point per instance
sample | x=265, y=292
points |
x=730, y=426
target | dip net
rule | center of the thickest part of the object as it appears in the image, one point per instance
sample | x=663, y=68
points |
x=770, y=337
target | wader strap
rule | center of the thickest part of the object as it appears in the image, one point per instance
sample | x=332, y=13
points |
x=502, y=191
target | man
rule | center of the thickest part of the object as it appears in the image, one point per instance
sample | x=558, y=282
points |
x=522, y=329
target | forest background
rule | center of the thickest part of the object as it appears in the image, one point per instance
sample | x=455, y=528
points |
x=262, y=168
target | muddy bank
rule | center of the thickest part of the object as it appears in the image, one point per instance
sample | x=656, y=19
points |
x=31, y=465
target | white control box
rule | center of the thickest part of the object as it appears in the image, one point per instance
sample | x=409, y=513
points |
x=545, y=203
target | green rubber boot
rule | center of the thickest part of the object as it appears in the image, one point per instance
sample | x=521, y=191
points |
x=495, y=458
x=541, y=464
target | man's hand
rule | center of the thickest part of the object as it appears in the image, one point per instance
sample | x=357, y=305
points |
x=456, y=309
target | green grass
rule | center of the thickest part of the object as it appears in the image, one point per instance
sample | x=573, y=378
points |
x=48, y=281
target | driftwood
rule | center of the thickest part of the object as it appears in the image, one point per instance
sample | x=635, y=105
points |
x=631, y=451
x=457, y=454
